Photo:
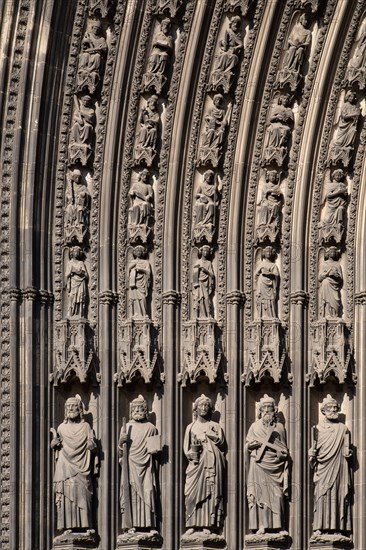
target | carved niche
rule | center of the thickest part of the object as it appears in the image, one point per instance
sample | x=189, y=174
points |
x=158, y=64
x=91, y=59
x=299, y=43
x=227, y=58
x=77, y=209
x=342, y=145
x=276, y=141
x=82, y=131
x=100, y=7
x=269, y=212
x=74, y=353
x=148, y=133
x=170, y=7
x=213, y=135
x=239, y=5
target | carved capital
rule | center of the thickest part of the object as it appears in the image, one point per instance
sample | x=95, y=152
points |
x=360, y=298
x=300, y=297
x=235, y=297
x=108, y=297
x=171, y=297
x=30, y=293
x=15, y=294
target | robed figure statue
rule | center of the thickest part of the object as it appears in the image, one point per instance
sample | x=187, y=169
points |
x=204, y=488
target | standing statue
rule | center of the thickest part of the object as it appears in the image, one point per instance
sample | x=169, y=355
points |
x=77, y=283
x=205, y=207
x=82, y=131
x=77, y=208
x=267, y=484
x=231, y=46
x=138, y=443
x=332, y=225
x=203, y=284
x=213, y=136
x=204, y=488
x=298, y=42
x=342, y=145
x=139, y=282
x=329, y=457
x=278, y=132
x=356, y=71
x=331, y=282
x=162, y=47
x=269, y=215
x=141, y=211
x=93, y=49
x=267, y=278
x=75, y=445
x=146, y=146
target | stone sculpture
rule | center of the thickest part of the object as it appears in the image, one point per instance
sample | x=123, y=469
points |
x=93, y=49
x=205, y=207
x=204, y=448
x=342, y=145
x=298, y=43
x=332, y=225
x=100, y=7
x=77, y=278
x=356, y=71
x=82, y=131
x=74, y=444
x=267, y=277
x=269, y=214
x=77, y=208
x=142, y=207
x=329, y=457
x=213, y=135
x=227, y=59
x=331, y=282
x=267, y=485
x=139, y=282
x=138, y=443
x=147, y=138
x=169, y=6
x=278, y=132
x=203, y=284
x=162, y=47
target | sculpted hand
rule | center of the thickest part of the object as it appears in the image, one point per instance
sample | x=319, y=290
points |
x=123, y=439
x=282, y=455
x=90, y=445
x=55, y=443
x=253, y=445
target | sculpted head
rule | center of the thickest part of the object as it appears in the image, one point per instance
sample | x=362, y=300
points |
x=351, y=97
x=267, y=410
x=73, y=409
x=138, y=409
x=272, y=176
x=139, y=251
x=203, y=407
x=330, y=408
x=96, y=26
x=269, y=253
x=305, y=20
x=144, y=175
x=165, y=25
x=235, y=23
x=338, y=175
x=209, y=176
x=284, y=100
x=76, y=175
x=331, y=252
x=218, y=99
x=205, y=251
x=152, y=102
x=76, y=252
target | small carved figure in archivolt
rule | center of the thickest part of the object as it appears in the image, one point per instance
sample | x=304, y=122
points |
x=278, y=132
x=331, y=282
x=213, y=135
x=298, y=43
x=203, y=284
x=77, y=208
x=148, y=133
x=356, y=71
x=267, y=278
x=268, y=479
x=142, y=207
x=204, y=442
x=332, y=224
x=342, y=145
x=162, y=48
x=77, y=283
x=74, y=444
x=329, y=456
x=269, y=213
x=231, y=46
x=82, y=131
x=205, y=208
x=138, y=446
x=139, y=282
x=93, y=49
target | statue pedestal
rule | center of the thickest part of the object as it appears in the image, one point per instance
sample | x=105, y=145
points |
x=70, y=540
x=330, y=542
x=268, y=541
x=139, y=541
x=202, y=541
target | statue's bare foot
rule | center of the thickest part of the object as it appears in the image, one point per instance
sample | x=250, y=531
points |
x=261, y=531
x=153, y=532
x=190, y=531
x=206, y=531
x=317, y=533
x=132, y=530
